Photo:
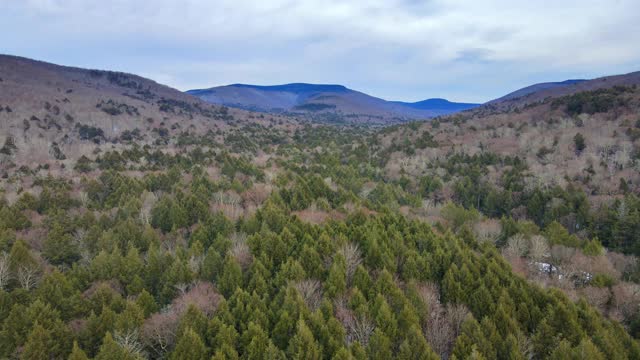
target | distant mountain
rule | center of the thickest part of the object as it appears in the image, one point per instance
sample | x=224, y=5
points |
x=436, y=104
x=329, y=102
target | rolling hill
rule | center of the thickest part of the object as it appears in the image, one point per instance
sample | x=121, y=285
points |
x=51, y=112
x=329, y=102
x=539, y=92
x=186, y=229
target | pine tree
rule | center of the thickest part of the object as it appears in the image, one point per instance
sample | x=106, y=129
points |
x=303, y=346
x=56, y=290
x=337, y=281
x=189, y=347
x=147, y=303
x=231, y=276
x=415, y=347
x=59, y=247
x=258, y=342
x=379, y=347
x=384, y=318
x=110, y=350
x=343, y=354
x=226, y=337
x=38, y=344
x=77, y=353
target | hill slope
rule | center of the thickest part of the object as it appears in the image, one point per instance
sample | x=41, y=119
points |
x=330, y=102
x=53, y=112
x=538, y=87
x=210, y=232
x=539, y=92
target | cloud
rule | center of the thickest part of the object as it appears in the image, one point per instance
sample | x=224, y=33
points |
x=399, y=49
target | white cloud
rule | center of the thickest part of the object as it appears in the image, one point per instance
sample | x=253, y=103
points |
x=391, y=48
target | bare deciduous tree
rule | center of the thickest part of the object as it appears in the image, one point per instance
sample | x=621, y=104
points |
x=353, y=258
x=538, y=248
x=444, y=323
x=28, y=276
x=561, y=254
x=148, y=200
x=195, y=263
x=240, y=250
x=202, y=295
x=596, y=296
x=311, y=292
x=130, y=342
x=488, y=230
x=358, y=328
x=159, y=332
x=624, y=264
x=516, y=246
x=5, y=273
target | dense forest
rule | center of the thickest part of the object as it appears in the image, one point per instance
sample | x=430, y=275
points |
x=197, y=232
x=148, y=255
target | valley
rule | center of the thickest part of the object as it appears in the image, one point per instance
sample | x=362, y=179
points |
x=138, y=221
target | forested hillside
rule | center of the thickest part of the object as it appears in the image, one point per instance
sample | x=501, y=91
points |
x=487, y=235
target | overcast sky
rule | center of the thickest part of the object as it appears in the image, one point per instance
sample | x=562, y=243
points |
x=395, y=49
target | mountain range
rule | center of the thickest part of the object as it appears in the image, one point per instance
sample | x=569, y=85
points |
x=325, y=101
x=51, y=95
x=337, y=103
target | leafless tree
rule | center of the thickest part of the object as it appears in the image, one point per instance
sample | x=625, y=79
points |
x=444, y=323
x=353, y=258
x=240, y=250
x=202, y=295
x=181, y=287
x=84, y=198
x=561, y=254
x=516, y=246
x=311, y=292
x=488, y=230
x=195, y=263
x=358, y=328
x=159, y=332
x=625, y=300
x=429, y=294
x=148, y=200
x=457, y=314
x=439, y=332
x=79, y=241
x=624, y=264
x=130, y=342
x=538, y=248
x=5, y=273
x=596, y=296
x=28, y=276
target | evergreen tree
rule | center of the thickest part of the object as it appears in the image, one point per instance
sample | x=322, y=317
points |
x=379, y=347
x=303, y=346
x=415, y=347
x=77, y=353
x=337, y=281
x=579, y=143
x=59, y=247
x=38, y=344
x=231, y=276
x=189, y=347
x=110, y=350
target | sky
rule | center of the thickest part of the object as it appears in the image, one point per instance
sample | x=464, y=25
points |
x=410, y=50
